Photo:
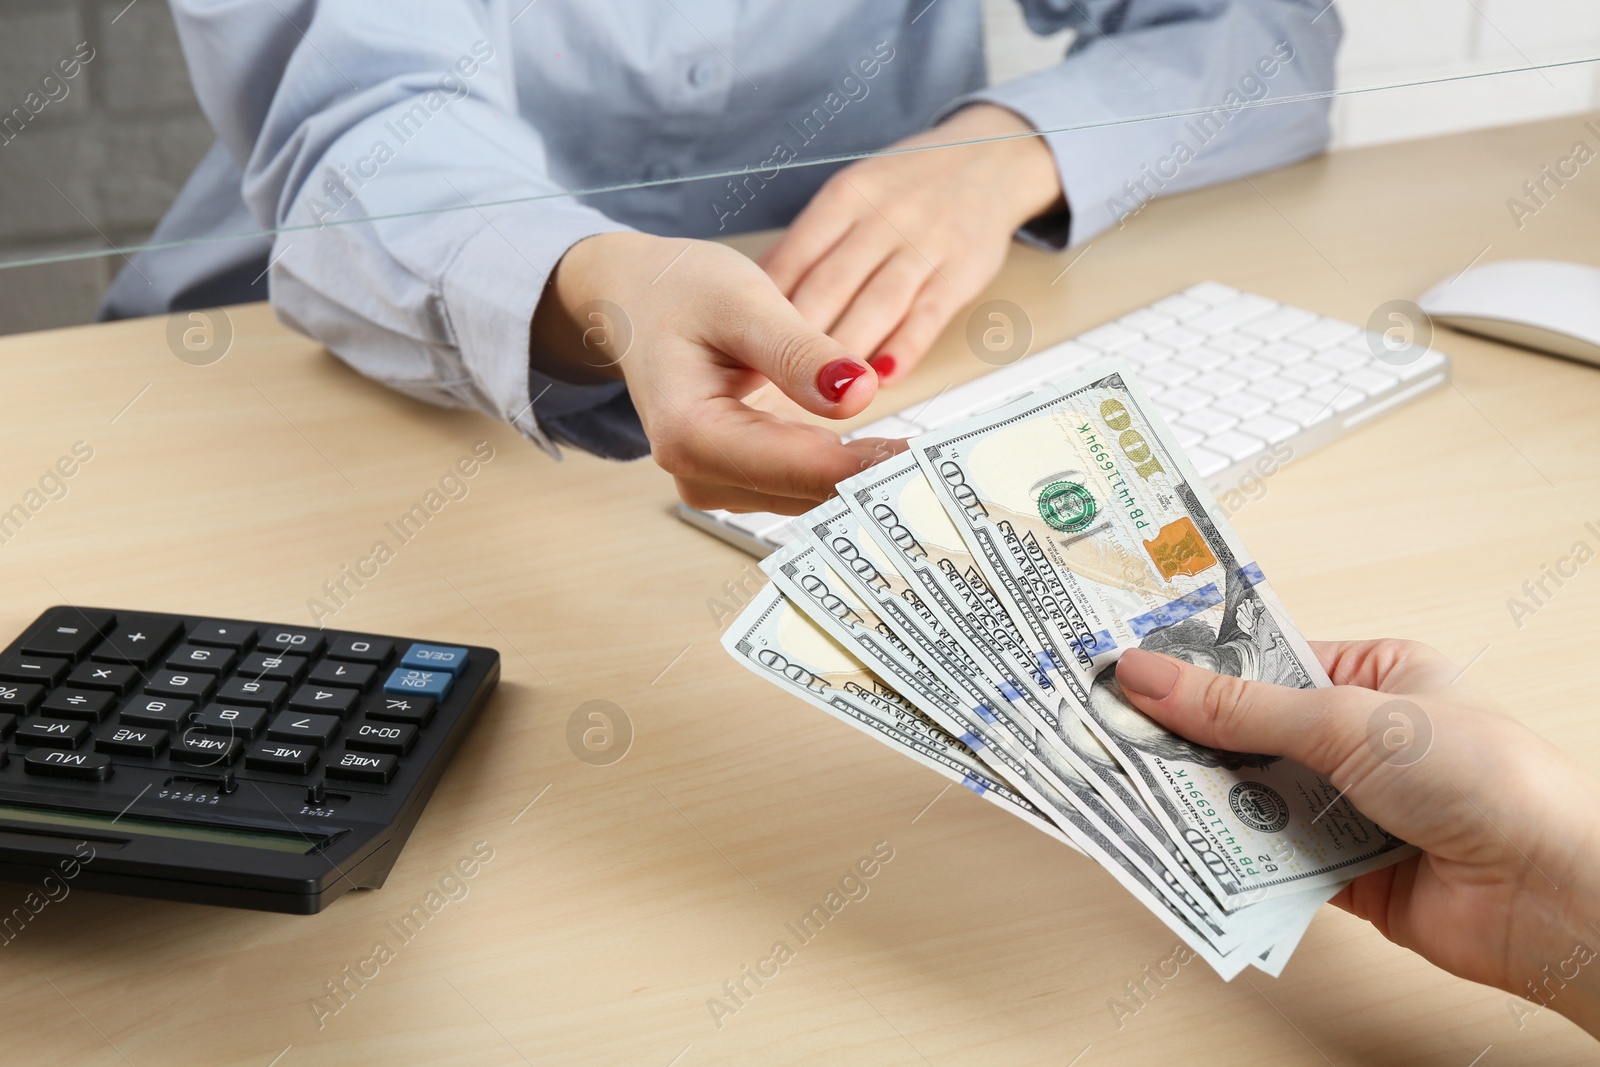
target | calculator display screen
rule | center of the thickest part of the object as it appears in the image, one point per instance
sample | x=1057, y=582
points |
x=299, y=844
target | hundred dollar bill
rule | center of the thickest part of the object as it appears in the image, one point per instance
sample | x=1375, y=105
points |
x=1097, y=535
x=801, y=574
x=781, y=644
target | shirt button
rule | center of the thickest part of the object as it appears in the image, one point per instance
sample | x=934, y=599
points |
x=701, y=73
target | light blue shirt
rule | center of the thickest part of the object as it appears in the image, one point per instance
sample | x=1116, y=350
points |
x=427, y=116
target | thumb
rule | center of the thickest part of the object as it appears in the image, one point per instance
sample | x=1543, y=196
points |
x=1324, y=729
x=811, y=368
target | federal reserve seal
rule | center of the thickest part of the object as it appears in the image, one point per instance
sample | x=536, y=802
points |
x=1067, y=506
x=1259, y=806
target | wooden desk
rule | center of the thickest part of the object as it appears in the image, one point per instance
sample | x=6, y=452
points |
x=620, y=898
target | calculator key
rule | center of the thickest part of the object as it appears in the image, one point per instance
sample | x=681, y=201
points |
x=280, y=756
x=138, y=639
x=52, y=733
x=8, y=725
x=199, y=658
x=303, y=726
x=395, y=737
x=373, y=650
x=68, y=632
x=192, y=685
x=434, y=684
x=89, y=766
x=229, y=722
x=418, y=710
x=330, y=699
x=117, y=677
x=133, y=741
x=163, y=712
x=446, y=658
x=254, y=691
x=362, y=767
x=24, y=667
x=203, y=750
x=20, y=698
x=285, y=639
x=332, y=672
x=234, y=635
x=85, y=704
x=274, y=665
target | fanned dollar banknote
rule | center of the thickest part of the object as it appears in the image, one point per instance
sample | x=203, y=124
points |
x=966, y=602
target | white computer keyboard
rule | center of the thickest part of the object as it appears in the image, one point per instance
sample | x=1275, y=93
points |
x=1236, y=375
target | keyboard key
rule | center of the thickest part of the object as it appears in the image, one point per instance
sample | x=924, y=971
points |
x=352, y=675
x=203, y=750
x=1343, y=359
x=1309, y=374
x=1179, y=338
x=1182, y=399
x=229, y=722
x=1370, y=380
x=1303, y=412
x=1110, y=337
x=1251, y=369
x=1180, y=307
x=447, y=658
x=117, y=677
x=133, y=741
x=162, y=712
x=1203, y=359
x=362, y=767
x=1280, y=323
x=1146, y=353
x=328, y=699
x=890, y=427
x=1209, y=421
x=68, y=632
x=1185, y=437
x=395, y=737
x=1338, y=396
x=1219, y=383
x=1283, y=353
x=1277, y=390
x=404, y=682
x=757, y=523
x=412, y=709
x=1269, y=428
x=288, y=639
x=1211, y=293
x=234, y=635
x=1231, y=314
x=280, y=756
x=1207, y=462
x=256, y=692
x=138, y=639
x=273, y=665
x=1147, y=321
x=88, y=766
x=1242, y=405
x=303, y=726
x=1235, y=445
x=86, y=704
x=198, y=658
x=53, y=733
x=1235, y=344
x=26, y=667
x=191, y=685
x=1324, y=333
x=20, y=698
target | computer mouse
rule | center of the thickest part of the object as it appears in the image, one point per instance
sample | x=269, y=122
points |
x=1536, y=303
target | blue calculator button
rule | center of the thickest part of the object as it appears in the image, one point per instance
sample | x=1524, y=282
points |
x=445, y=658
x=419, y=683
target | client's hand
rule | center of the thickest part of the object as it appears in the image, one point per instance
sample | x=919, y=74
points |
x=709, y=328
x=892, y=246
x=1507, y=888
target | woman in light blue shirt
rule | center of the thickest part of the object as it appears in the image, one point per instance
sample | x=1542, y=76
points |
x=470, y=190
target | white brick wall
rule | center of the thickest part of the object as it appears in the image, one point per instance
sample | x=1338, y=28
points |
x=1389, y=42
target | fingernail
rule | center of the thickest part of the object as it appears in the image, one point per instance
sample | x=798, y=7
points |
x=884, y=364
x=836, y=377
x=1146, y=673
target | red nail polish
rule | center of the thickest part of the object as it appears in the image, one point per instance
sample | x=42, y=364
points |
x=883, y=363
x=836, y=377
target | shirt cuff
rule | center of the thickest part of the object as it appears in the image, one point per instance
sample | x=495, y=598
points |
x=490, y=289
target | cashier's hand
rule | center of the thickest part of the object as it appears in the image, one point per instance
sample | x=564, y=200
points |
x=1507, y=888
x=708, y=328
x=891, y=247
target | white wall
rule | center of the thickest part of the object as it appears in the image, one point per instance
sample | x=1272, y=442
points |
x=1388, y=42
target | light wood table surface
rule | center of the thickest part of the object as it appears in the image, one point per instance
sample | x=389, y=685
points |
x=620, y=898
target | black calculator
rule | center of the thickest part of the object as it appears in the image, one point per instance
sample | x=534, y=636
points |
x=222, y=762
